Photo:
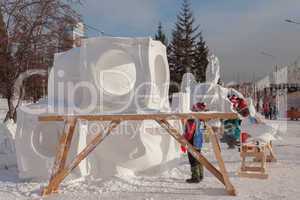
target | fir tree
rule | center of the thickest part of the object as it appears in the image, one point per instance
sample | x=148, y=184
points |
x=160, y=35
x=187, y=49
x=200, y=60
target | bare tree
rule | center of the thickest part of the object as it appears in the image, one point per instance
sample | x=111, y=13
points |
x=32, y=31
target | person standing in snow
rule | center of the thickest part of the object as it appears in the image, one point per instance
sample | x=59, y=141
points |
x=232, y=127
x=194, y=134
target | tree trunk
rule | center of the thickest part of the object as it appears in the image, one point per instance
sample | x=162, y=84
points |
x=15, y=94
x=11, y=109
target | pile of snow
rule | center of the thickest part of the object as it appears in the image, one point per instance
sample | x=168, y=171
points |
x=7, y=148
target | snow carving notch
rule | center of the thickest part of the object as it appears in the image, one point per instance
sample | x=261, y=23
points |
x=104, y=76
x=112, y=75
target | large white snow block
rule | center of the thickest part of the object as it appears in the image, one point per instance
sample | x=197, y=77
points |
x=112, y=75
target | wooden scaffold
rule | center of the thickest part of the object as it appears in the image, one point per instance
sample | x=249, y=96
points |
x=60, y=170
x=257, y=167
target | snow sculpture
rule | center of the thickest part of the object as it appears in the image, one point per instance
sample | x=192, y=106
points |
x=258, y=129
x=104, y=76
x=214, y=95
x=216, y=98
x=115, y=75
x=213, y=70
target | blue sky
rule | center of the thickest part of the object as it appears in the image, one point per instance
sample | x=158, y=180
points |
x=237, y=31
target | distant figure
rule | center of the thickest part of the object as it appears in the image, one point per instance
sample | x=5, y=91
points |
x=270, y=116
x=275, y=112
x=232, y=131
x=266, y=110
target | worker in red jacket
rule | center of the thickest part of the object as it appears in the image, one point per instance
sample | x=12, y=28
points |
x=194, y=130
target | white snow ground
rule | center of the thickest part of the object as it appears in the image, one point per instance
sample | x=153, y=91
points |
x=3, y=109
x=283, y=183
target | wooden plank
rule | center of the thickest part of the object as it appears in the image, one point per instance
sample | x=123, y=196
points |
x=61, y=156
x=181, y=140
x=217, y=150
x=157, y=116
x=272, y=156
x=71, y=123
x=253, y=175
x=263, y=160
x=251, y=154
x=252, y=168
x=61, y=175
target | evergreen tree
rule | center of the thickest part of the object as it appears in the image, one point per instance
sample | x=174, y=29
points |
x=160, y=35
x=187, y=49
x=200, y=60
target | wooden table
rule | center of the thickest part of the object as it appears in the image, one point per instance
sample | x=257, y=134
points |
x=60, y=170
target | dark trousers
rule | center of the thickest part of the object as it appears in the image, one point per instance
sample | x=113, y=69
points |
x=196, y=166
x=193, y=161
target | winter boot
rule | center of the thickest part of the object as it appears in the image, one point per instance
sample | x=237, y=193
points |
x=195, y=175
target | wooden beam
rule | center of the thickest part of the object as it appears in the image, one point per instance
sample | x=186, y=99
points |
x=250, y=174
x=181, y=140
x=205, y=116
x=61, y=174
x=60, y=171
x=62, y=153
x=272, y=156
x=217, y=150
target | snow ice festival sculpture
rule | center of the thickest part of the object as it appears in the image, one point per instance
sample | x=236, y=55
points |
x=117, y=80
x=105, y=75
x=216, y=98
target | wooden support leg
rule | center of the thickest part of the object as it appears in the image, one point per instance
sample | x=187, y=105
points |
x=264, y=158
x=180, y=139
x=217, y=149
x=272, y=156
x=61, y=156
x=59, y=176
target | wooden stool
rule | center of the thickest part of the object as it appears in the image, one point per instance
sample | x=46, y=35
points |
x=257, y=151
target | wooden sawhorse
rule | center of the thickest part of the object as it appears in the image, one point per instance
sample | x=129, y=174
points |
x=257, y=152
x=60, y=171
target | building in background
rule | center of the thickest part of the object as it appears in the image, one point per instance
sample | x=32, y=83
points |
x=72, y=36
x=281, y=88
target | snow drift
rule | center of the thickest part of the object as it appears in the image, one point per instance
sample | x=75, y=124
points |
x=7, y=147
